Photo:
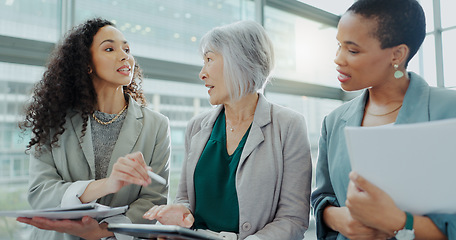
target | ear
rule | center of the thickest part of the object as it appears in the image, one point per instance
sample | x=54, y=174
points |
x=400, y=54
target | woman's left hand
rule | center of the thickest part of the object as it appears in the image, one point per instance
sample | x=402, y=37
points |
x=87, y=227
x=372, y=206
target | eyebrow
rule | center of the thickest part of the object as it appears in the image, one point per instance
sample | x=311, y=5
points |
x=351, y=43
x=208, y=51
x=112, y=41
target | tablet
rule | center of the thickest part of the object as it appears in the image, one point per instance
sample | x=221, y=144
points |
x=151, y=231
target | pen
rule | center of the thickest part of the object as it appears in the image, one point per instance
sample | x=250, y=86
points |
x=156, y=177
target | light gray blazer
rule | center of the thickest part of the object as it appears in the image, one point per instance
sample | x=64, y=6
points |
x=273, y=176
x=57, y=168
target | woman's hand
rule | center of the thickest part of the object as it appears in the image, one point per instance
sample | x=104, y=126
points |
x=87, y=227
x=130, y=169
x=372, y=206
x=340, y=220
x=176, y=214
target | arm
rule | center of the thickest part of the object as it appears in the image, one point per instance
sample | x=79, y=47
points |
x=373, y=207
x=331, y=218
x=154, y=193
x=182, y=193
x=292, y=216
x=323, y=196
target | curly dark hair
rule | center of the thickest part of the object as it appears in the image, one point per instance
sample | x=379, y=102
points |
x=66, y=85
x=398, y=22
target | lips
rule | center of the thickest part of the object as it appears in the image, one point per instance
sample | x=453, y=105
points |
x=343, y=77
x=125, y=69
x=210, y=88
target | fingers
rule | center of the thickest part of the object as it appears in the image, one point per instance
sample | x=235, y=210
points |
x=361, y=183
x=152, y=213
x=132, y=169
x=188, y=220
x=176, y=214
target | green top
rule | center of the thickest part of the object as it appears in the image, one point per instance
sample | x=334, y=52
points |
x=216, y=202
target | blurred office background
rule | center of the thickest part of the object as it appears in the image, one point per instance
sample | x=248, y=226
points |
x=164, y=37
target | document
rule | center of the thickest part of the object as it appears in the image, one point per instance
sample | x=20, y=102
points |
x=413, y=163
x=93, y=210
x=151, y=231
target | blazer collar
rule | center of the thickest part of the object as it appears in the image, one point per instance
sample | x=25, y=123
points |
x=415, y=107
x=256, y=137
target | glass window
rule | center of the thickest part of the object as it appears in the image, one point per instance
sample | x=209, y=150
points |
x=166, y=30
x=429, y=14
x=31, y=19
x=449, y=59
x=336, y=7
x=423, y=63
x=304, y=49
x=447, y=10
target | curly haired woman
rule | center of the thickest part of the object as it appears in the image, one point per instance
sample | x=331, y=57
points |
x=93, y=138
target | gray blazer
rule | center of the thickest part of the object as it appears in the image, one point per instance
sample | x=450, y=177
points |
x=273, y=176
x=52, y=172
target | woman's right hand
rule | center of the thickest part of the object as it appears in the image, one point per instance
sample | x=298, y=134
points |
x=339, y=219
x=130, y=169
x=175, y=214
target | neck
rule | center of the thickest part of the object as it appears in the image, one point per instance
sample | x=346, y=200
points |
x=242, y=109
x=391, y=92
x=110, y=102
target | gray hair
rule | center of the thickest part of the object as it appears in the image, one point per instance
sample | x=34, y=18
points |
x=248, y=56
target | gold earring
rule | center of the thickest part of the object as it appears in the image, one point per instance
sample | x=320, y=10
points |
x=398, y=73
x=89, y=70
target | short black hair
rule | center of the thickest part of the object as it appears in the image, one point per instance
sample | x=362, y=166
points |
x=398, y=22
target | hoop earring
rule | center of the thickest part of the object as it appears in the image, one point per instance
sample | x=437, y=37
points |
x=398, y=73
x=89, y=70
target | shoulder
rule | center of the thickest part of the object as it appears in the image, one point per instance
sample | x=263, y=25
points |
x=286, y=115
x=347, y=109
x=153, y=115
x=442, y=103
x=203, y=118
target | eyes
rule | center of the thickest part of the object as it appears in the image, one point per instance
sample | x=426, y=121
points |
x=111, y=49
x=349, y=49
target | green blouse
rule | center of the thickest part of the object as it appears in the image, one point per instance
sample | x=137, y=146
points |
x=216, y=202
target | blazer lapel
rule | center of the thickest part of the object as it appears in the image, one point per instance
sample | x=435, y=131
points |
x=85, y=142
x=262, y=118
x=129, y=133
x=415, y=107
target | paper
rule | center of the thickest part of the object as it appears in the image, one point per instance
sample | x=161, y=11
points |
x=151, y=231
x=414, y=163
x=93, y=210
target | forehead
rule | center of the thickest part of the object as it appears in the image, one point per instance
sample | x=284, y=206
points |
x=108, y=32
x=356, y=28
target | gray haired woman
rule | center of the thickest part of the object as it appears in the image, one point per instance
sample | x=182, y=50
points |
x=247, y=167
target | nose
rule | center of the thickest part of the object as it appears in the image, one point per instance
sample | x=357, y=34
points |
x=339, y=58
x=124, y=56
x=202, y=75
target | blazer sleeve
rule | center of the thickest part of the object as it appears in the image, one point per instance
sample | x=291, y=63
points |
x=155, y=193
x=182, y=191
x=46, y=187
x=446, y=224
x=292, y=216
x=324, y=194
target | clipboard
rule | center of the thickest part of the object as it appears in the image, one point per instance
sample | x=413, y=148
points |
x=93, y=210
x=151, y=231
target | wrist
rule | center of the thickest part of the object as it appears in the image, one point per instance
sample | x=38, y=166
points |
x=328, y=215
x=406, y=232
